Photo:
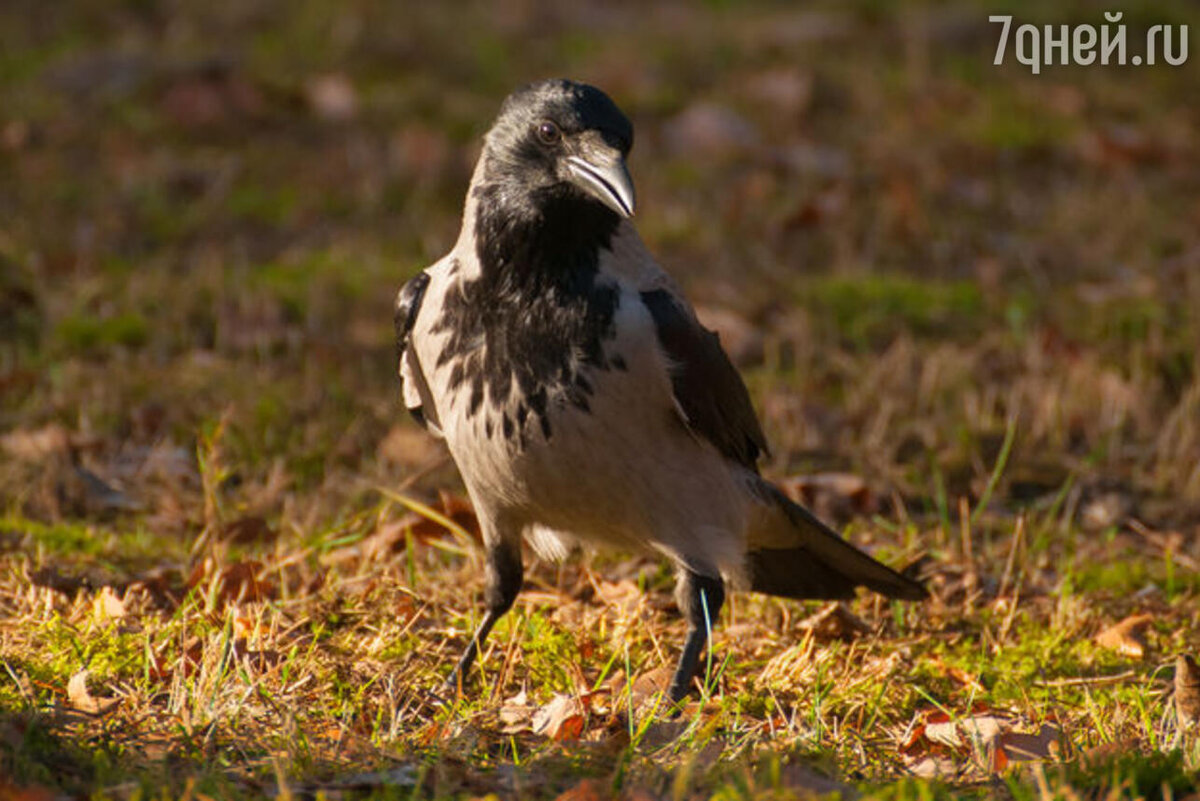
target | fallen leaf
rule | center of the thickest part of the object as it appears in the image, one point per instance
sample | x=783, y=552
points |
x=1026, y=747
x=391, y=537
x=460, y=510
x=934, y=767
x=742, y=340
x=210, y=94
x=835, y=622
x=984, y=740
x=588, y=790
x=963, y=677
x=332, y=97
x=247, y=530
x=709, y=130
x=803, y=782
x=516, y=714
x=646, y=686
x=83, y=700
x=785, y=91
x=562, y=719
x=1108, y=752
x=455, y=507
x=15, y=135
x=236, y=582
x=38, y=444
x=1105, y=510
x=1127, y=637
x=108, y=605
x=425, y=152
x=164, y=585
x=409, y=448
x=13, y=792
x=1187, y=690
x=943, y=732
x=836, y=496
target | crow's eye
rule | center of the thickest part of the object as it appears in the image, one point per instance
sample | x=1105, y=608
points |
x=548, y=133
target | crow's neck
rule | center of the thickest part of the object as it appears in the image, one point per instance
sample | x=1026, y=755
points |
x=529, y=244
x=534, y=317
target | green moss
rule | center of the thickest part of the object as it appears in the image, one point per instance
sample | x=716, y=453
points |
x=268, y=206
x=1004, y=119
x=865, y=309
x=86, y=332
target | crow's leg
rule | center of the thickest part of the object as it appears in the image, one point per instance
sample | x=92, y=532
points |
x=503, y=583
x=700, y=598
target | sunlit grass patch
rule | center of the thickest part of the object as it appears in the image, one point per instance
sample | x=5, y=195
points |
x=872, y=307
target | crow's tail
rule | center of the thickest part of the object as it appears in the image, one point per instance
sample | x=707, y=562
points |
x=795, y=555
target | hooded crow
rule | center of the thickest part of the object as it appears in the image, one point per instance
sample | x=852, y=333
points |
x=580, y=397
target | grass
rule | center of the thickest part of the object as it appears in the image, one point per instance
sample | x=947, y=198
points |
x=970, y=288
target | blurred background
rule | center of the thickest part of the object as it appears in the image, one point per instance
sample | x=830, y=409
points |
x=914, y=255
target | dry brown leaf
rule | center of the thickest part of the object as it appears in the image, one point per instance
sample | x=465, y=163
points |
x=391, y=537
x=1026, y=747
x=36, y=445
x=705, y=129
x=1127, y=637
x=1107, y=752
x=83, y=700
x=588, y=790
x=836, y=496
x=562, y=719
x=597, y=790
x=164, y=585
x=645, y=687
x=332, y=97
x=425, y=152
x=108, y=605
x=460, y=510
x=835, y=622
x=987, y=740
x=1187, y=690
x=12, y=792
x=934, y=766
x=212, y=95
x=742, y=339
x=236, y=582
x=249, y=530
x=784, y=91
x=409, y=448
x=455, y=507
x=803, y=782
x=963, y=677
x=516, y=714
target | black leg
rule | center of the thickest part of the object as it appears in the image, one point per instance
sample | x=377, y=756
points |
x=503, y=583
x=700, y=598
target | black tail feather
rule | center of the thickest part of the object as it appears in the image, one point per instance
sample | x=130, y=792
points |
x=821, y=565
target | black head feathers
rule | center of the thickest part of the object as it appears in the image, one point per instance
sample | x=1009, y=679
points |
x=574, y=107
x=553, y=185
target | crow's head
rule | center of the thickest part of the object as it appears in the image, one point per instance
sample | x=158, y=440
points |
x=558, y=145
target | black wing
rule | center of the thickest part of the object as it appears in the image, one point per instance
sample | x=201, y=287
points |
x=408, y=304
x=707, y=386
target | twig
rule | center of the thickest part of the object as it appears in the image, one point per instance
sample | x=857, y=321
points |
x=1079, y=681
x=1012, y=556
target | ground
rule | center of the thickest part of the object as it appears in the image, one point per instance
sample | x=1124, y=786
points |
x=965, y=298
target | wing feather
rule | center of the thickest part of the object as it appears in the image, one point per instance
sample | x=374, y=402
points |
x=708, y=390
x=408, y=305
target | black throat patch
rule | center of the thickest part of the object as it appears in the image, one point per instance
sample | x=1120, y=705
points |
x=537, y=317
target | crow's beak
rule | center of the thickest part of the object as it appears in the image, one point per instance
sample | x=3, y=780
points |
x=604, y=176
